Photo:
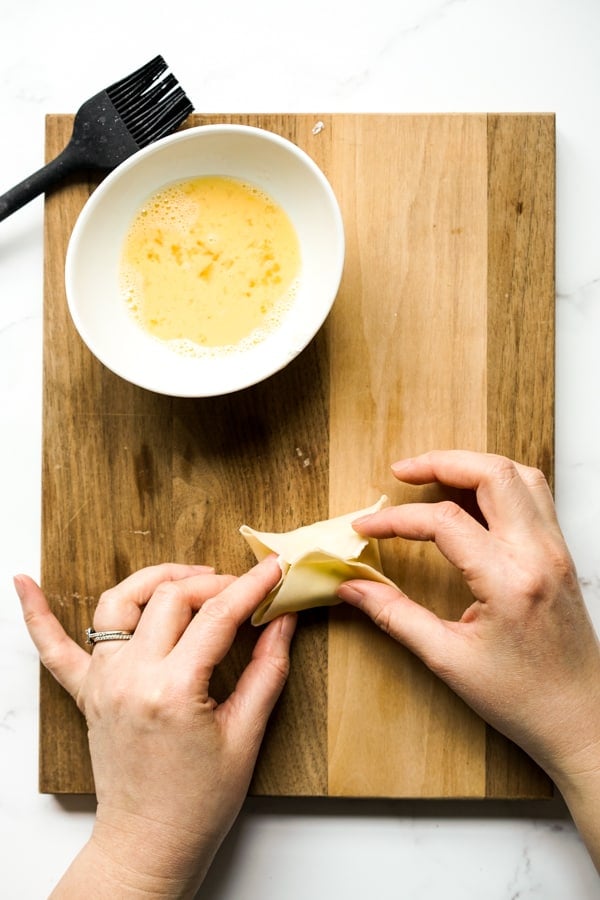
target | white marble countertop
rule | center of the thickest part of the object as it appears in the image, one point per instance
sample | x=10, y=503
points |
x=318, y=56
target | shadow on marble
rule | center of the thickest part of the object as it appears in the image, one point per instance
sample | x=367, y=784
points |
x=553, y=808
x=76, y=803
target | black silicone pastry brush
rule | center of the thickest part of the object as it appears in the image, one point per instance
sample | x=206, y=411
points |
x=109, y=127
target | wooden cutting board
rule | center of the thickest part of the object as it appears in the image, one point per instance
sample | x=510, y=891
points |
x=442, y=335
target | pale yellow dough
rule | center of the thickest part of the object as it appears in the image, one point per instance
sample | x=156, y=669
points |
x=314, y=561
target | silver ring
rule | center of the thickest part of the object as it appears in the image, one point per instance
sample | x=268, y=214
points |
x=94, y=637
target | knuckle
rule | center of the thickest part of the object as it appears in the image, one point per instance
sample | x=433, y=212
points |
x=163, y=571
x=167, y=592
x=383, y=618
x=280, y=666
x=531, y=583
x=503, y=470
x=106, y=697
x=534, y=477
x=51, y=658
x=562, y=566
x=107, y=597
x=151, y=702
x=107, y=601
x=539, y=581
x=218, y=612
x=447, y=512
x=155, y=702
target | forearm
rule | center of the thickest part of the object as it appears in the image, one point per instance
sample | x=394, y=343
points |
x=93, y=873
x=121, y=863
x=581, y=793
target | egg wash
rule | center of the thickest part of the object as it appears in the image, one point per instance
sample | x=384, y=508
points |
x=210, y=263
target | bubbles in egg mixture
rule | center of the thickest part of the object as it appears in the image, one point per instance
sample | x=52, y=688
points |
x=210, y=265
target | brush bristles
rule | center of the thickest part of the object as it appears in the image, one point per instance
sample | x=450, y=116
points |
x=137, y=81
x=150, y=108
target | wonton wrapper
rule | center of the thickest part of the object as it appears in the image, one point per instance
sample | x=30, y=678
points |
x=315, y=560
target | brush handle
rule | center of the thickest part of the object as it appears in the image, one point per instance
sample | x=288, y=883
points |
x=40, y=181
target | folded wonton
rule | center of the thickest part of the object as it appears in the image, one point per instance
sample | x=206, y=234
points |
x=315, y=560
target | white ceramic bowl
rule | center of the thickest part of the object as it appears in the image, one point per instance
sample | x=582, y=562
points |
x=98, y=309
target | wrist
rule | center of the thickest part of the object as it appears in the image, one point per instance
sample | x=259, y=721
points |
x=579, y=784
x=169, y=859
x=128, y=857
x=573, y=773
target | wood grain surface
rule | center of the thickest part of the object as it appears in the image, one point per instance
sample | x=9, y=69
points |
x=442, y=335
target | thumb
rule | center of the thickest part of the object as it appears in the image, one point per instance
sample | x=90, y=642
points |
x=264, y=678
x=409, y=623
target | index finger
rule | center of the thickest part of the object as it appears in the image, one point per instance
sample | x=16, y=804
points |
x=507, y=492
x=119, y=608
x=209, y=636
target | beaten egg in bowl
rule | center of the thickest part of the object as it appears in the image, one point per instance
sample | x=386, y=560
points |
x=206, y=262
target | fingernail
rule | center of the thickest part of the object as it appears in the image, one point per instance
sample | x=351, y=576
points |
x=265, y=562
x=361, y=521
x=273, y=558
x=19, y=586
x=401, y=464
x=288, y=625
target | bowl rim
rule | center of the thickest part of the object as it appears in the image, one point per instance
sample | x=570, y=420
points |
x=96, y=198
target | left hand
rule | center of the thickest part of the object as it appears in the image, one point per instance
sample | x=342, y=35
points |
x=524, y=654
x=171, y=767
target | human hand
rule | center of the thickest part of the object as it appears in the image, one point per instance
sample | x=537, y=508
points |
x=171, y=767
x=524, y=654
